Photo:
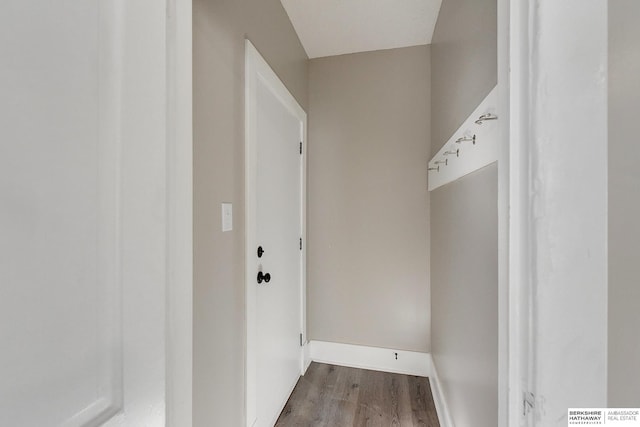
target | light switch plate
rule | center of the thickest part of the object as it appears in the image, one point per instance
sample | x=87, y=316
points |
x=227, y=217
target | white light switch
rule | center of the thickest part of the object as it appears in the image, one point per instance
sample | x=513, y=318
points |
x=227, y=217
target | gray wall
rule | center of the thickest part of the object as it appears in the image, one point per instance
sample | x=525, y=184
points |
x=464, y=292
x=220, y=27
x=463, y=63
x=624, y=204
x=368, y=280
x=464, y=219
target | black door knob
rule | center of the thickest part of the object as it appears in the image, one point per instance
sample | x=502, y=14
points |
x=265, y=277
x=260, y=251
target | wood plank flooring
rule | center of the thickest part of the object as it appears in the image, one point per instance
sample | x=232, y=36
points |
x=335, y=396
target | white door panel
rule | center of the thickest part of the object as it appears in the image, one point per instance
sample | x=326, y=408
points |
x=275, y=128
x=82, y=213
x=278, y=232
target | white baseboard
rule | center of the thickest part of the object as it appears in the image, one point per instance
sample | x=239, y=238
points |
x=438, y=397
x=306, y=357
x=373, y=358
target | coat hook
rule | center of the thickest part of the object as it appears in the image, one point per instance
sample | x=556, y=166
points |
x=466, y=139
x=485, y=117
x=437, y=169
x=451, y=153
x=439, y=162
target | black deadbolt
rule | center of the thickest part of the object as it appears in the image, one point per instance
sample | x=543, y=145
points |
x=265, y=277
x=260, y=251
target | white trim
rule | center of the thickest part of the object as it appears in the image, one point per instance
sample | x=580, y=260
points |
x=179, y=294
x=306, y=351
x=372, y=358
x=506, y=405
x=471, y=155
x=303, y=252
x=442, y=409
x=112, y=58
x=519, y=238
x=257, y=68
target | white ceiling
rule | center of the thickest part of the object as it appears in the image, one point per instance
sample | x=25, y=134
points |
x=335, y=27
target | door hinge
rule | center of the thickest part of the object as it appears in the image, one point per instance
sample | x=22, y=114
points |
x=301, y=340
x=301, y=243
x=528, y=403
x=300, y=147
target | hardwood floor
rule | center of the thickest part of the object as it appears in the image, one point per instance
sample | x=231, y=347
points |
x=335, y=396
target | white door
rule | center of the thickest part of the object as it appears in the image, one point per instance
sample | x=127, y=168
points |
x=275, y=255
x=83, y=213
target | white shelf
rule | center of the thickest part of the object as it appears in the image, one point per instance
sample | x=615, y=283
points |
x=470, y=156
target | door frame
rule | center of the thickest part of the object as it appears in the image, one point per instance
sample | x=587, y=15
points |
x=179, y=209
x=514, y=210
x=532, y=184
x=256, y=67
